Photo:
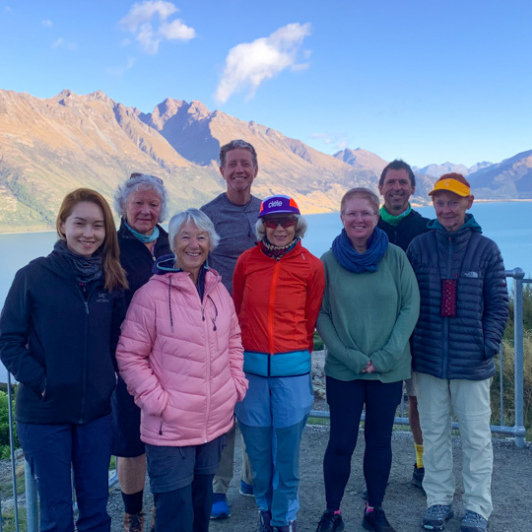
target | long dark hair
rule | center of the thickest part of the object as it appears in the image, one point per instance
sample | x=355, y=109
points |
x=114, y=274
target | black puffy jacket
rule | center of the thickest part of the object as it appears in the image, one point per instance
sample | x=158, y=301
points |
x=53, y=339
x=463, y=346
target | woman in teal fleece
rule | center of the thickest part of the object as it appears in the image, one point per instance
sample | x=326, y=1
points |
x=369, y=310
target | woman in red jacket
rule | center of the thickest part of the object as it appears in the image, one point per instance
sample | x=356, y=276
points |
x=277, y=289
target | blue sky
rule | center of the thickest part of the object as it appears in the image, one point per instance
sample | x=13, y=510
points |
x=428, y=81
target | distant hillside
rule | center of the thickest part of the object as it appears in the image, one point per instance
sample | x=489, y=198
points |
x=51, y=146
x=437, y=170
x=512, y=178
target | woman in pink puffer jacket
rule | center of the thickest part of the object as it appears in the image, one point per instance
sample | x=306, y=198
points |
x=180, y=355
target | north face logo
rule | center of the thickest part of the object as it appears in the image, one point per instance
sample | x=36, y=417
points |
x=473, y=275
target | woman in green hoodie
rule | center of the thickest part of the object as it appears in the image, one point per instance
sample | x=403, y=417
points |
x=369, y=310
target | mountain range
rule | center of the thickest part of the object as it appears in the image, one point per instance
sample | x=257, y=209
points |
x=48, y=147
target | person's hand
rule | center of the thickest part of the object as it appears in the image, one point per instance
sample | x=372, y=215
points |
x=370, y=368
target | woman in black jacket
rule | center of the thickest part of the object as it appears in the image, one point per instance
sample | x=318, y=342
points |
x=58, y=331
x=140, y=201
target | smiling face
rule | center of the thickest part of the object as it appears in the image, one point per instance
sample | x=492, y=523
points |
x=359, y=219
x=143, y=210
x=280, y=236
x=84, y=229
x=451, y=209
x=396, y=190
x=191, y=246
x=239, y=173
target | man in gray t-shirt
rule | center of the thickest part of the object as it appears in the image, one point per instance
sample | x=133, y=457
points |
x=234, y=214
x=235, y=224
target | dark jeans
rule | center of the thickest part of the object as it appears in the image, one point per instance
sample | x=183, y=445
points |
x=346, y=400
x=52, y=451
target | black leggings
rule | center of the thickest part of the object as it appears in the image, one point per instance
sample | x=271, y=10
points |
x=174, y=512
x=346, y=400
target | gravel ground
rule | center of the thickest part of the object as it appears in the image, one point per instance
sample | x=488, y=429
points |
x=404, y=504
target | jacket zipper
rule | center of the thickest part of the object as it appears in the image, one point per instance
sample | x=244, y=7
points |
x=86, y=297
x=446, y=319
x=206, y=327
x=271, y=309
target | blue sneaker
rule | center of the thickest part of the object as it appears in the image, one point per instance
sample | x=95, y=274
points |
x=220, y=507
x=436, y=515
x=473, y=522
x=246, y=489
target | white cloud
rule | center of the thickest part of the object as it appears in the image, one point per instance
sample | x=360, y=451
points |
x=150, y=33
x=47, y=23
x=337, y=139
x=61, y=43
x=118, y=72
x=248, y=64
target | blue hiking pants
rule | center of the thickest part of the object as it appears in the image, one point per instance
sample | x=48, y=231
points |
x=272, y=417
x=52, y=451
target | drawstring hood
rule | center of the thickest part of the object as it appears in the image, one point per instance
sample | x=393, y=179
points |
x=164, y=270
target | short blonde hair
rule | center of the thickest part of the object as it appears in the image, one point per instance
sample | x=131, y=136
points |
x=360, y=192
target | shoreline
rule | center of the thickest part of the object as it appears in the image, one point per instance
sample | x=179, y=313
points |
x=414, y=204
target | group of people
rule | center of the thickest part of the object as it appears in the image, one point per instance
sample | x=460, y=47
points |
x=146, y=345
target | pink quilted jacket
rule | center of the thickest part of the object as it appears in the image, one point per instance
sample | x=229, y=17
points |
x=182, y=359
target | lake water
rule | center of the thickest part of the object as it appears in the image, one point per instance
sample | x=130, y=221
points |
x=508, y=223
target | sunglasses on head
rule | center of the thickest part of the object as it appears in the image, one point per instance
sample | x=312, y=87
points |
x=285, y=222
x=136, y=175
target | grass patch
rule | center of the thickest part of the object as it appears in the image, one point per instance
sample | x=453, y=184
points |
x=8, y=521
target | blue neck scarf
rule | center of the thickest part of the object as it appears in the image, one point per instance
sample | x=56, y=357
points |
x=355, y=262
x=143, y=238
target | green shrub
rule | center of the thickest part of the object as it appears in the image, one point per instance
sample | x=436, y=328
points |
x=318, y=342
x=527, y=313
x=4, y=426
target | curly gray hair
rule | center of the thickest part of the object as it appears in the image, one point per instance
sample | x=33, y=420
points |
x=138, y=182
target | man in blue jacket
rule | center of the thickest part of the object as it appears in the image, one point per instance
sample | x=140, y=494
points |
x=464, y=307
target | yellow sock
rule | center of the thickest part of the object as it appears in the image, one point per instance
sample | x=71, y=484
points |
x=419, y=455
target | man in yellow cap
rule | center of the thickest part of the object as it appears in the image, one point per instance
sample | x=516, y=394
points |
x=464, y=307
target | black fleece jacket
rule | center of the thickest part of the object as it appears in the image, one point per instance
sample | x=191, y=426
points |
x=57, y=338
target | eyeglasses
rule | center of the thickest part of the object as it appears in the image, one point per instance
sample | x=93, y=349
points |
x=365, y=215
x=285, y=222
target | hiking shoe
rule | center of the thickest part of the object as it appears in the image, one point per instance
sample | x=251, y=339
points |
x=264, y=522
x=134, y=522
x=246, y=489
x=330, y=522
x=290, y=527
x=436, y=515
x=376, y=520
x=417, y=476
x=473, y=522
x=220, y=506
